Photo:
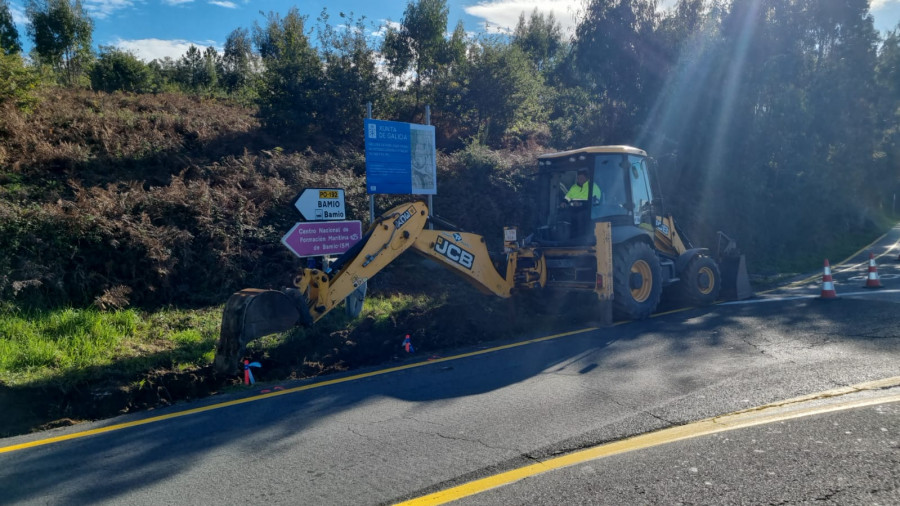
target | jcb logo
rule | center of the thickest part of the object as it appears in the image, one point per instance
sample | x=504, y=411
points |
x=403, y=218
x=454, y=253
x=662, y=227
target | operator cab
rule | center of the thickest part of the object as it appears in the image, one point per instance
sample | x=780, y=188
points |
x=617, y=191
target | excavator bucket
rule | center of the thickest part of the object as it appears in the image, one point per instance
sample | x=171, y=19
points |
x=250, y=314
x=735, y=280
x=733, y=269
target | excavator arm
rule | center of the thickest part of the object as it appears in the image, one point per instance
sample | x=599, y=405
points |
x=391, y=234
x=466, y=254
x=252, y=313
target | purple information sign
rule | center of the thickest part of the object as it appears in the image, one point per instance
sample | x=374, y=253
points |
x=313, y=239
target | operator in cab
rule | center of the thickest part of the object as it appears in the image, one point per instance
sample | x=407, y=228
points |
x=579, y=191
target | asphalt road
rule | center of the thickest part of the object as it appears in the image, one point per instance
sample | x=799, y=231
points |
x=381, y=437
x=848, y=457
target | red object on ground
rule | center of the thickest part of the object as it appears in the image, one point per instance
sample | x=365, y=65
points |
x=828, y=291
x=407, y=344
x=872, y=281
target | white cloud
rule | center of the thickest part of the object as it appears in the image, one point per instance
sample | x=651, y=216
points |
x=382, y=30
x=224, y=3
x=152, y=49
x=18, y=15
x=666, y=4
x=878, y=4
x=101, y=9
x=503, y=15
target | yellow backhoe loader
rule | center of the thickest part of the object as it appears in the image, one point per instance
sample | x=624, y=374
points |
x=609, y=237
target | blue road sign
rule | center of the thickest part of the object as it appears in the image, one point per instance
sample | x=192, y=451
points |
x=400, y=158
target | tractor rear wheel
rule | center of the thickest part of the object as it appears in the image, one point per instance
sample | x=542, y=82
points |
x=700, y=282
x=636, y=281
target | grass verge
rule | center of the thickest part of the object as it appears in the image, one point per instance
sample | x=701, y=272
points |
x=64, y=347
x=59, y=367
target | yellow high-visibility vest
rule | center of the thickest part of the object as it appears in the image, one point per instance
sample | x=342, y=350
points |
x=580, y=192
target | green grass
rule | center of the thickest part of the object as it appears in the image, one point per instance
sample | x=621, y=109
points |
x=382, y=308
x=68, y=345
x=379, y=308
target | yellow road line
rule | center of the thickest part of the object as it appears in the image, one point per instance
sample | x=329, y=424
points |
x=768, y=413
x=145, y=421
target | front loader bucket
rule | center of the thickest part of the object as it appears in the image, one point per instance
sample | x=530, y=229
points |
x=250, y=314
x=735, y=280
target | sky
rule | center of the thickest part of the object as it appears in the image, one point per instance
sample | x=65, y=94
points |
x=158, y=28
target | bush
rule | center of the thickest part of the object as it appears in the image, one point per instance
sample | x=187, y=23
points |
x=482, y=190
x=118, y=70
x=17, y=82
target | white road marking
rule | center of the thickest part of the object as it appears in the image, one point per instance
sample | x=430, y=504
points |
x=796, y=297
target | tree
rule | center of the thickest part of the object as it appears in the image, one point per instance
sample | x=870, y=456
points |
x=198, y=70
x=189, y=68
x=119, y=70
x=450, y=83
x=418, y=46
x=212, y=65
x=888, y=70
x=17, y=82
x=505, y=91
x=9, y=36
x=350, y=77
x=616, y=57
x=293, y=74
x=163, y=74
x=61, y=31
x=887, y=77
x=540, y=37
x=239, y=63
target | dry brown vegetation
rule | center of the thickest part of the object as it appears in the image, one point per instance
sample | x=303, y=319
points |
x=168, y=199
x=153, y=199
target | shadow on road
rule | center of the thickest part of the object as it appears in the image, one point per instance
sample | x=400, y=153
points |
x=104, y=467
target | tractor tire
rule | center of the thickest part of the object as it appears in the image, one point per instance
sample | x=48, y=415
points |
x=637, y=283
x=700, y=282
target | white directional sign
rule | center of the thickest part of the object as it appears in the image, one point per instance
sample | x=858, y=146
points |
x=321, y=204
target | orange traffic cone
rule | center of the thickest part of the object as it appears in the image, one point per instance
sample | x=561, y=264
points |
x=872, y=281
x=827, y=283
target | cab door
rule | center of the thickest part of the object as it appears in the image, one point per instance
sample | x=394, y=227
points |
x=641, y=195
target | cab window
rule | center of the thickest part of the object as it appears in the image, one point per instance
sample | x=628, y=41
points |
x=609, y=179
x=640, y=190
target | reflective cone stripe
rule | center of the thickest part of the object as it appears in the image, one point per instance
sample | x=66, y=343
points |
x=828, y=291
x=872, y=281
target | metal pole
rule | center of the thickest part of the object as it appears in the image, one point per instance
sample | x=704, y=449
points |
x=430, y=199
x=371, y=195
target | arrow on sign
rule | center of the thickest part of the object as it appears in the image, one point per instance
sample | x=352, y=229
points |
x=322, y=238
